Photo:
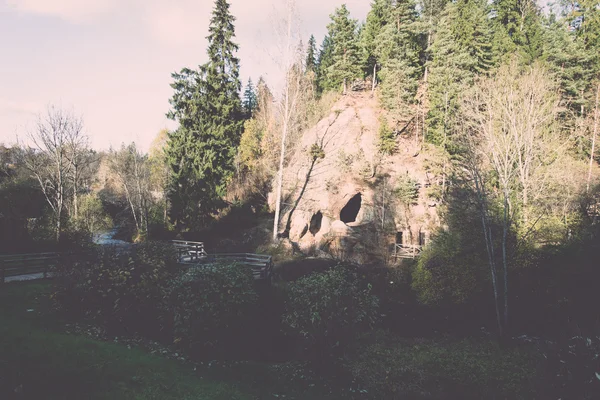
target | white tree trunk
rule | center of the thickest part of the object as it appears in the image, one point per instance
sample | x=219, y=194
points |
x=594, y=134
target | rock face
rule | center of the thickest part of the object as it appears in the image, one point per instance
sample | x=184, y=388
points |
x=354, y=189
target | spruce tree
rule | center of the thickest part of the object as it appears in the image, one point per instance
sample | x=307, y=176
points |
x=398, y=49
x=518, y=28
x=461, y=50
x=250, y=101
x=345, y=55
x=311, y=54
x=584, y=18
x=377, y=18
x=570, y=62
x=323, y=63
x=207, y=105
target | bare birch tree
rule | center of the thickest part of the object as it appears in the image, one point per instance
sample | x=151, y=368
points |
x=595, y=124
x=57, y=136
x=133, y=174
x=291, y=60
x=510, y=121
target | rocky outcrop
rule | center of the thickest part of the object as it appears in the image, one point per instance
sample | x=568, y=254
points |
x=354, y=188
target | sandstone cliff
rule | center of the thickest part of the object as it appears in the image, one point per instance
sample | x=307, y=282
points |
x=352, y=200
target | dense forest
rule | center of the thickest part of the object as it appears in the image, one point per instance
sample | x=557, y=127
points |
x=499, y=105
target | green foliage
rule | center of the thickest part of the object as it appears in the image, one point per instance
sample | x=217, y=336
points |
x=397, y=50
x=570, y=62
x=250, y=149
x=407, y=190
x=211, y=304
x=316, y=152
x=519, y=26
x=44, y=359
x=207, y=106
x=376, y=20
x=250, y=101
x=121, y=291
x=345, y=161
x=92, y=216
x=392, y=368
x=461, y=49
x=323, y=64
x=311, y=55
x=345, y=60
x=327, y=309
x=446, y=273
x=453, y=267
x=387, y=139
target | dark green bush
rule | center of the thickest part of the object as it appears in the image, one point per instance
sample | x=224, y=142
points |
x=211, y=305
x=327, y=309
x=122, y=290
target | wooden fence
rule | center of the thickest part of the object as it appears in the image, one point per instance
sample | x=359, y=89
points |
x=26, y=264
x=189, y=251
x=407, y=250
x=261, y=264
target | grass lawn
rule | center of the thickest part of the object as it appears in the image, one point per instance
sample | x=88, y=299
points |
x=37, y=361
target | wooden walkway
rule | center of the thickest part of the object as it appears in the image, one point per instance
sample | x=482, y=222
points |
x=193, y=254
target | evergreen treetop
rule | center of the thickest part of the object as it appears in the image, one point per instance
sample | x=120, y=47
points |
x=345, y=55
x=311, y=54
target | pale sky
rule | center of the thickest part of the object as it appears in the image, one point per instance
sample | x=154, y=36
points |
x=111, y=60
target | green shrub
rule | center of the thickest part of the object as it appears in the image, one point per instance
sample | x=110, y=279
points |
x=210, y=305
x=121, y=290
x=387, y=138
x=327, y=309
x=407, y=190
x=448, y=271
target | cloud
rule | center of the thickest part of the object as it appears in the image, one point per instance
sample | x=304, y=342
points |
x=178, y=23
x=70, y=10
x=10, y=107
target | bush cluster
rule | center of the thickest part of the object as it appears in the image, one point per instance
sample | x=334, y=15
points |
x=211, y=305
x=327, y=309
x=122, y=290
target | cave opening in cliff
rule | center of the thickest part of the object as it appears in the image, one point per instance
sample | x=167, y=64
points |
x=315, y=223
x=351, y=209
x=304, y=231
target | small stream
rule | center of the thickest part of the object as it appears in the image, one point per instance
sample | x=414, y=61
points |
x=107, y=239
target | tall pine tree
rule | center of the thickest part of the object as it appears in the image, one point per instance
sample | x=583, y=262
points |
x=518, y=27
x=343, y=32
x=377, y=18
x=311, y=54
x=250, y=101
x=571, y=63
x=323, y=63
x=398, y=49
x=207, y=105
x=461, y=49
